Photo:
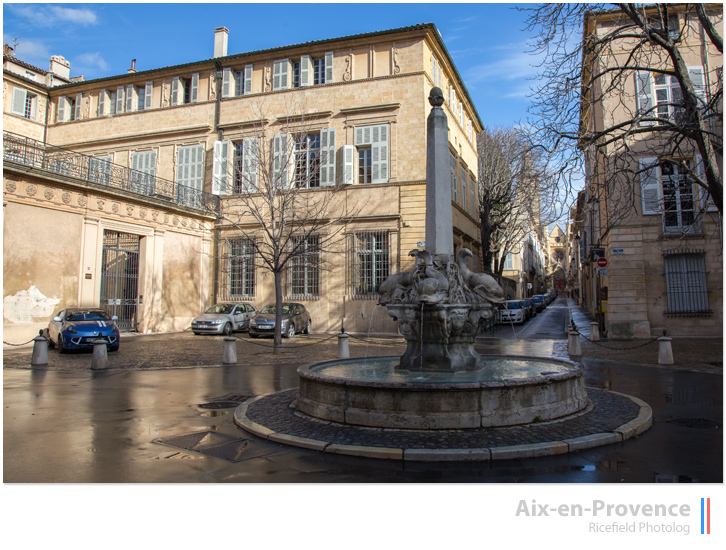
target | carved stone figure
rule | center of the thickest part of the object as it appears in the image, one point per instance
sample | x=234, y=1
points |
x=268, y=79
x=348, y=72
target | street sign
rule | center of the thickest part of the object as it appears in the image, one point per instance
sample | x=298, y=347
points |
x=602, y=271
x=602, y=262
x=422, y=244
x=617, y=251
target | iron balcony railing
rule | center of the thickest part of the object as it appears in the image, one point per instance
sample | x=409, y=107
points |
x=30, y=152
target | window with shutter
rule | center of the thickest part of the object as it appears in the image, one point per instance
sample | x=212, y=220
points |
x=99, y=169
x=248, y=79
x=347, y=161
x=305, y=63
x=190, y=174
x=280, y=72
x=175, y=86
x=148, y=92
x=280, y=161
x=62, y=109
x=327, y=161
x=142, y=178
x=227, y=82
x=706, y=200
x=474, y=205
x=376, y=157
x=461, y=114
x=119, y=100
x=251, y=162
x=18, y=106
x=463, y=188
x=649, y=186
x=77, y=107
x=328, y=67
x=130, y=97
x=452, y=175
x=644, y=96
x=102, y=102
x=698, y=79
x=194, y=93
x=220, y=168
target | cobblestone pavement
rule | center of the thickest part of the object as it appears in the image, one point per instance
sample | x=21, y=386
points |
x=609, y=412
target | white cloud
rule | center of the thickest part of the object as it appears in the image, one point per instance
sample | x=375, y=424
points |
x=42, y=15
x=90, y=60
x=519, y=65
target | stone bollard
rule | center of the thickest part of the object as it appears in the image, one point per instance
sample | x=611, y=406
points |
x=594, y=331
x=230, y=351
x=40, y=352
x=99, y=361
x=343, y=350
x=573, y=343
x=665, y=351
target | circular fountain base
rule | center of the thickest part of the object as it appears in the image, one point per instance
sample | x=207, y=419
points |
x=505, y=391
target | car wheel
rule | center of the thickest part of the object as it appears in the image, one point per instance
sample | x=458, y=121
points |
x=307, y=327
x=290, y=330
x=61, y=349
x=227, y=330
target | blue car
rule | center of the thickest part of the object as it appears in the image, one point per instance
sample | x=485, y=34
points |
x=78, y=328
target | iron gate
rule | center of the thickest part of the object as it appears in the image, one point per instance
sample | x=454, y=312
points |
x=120, y=277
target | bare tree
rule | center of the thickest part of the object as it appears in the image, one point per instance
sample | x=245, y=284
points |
x=285, y=209
x=513, y=185
x=607, y=69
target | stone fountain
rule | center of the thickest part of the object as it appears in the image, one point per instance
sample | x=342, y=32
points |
x=440, y=382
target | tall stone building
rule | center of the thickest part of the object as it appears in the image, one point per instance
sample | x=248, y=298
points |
x=658, y=231
x=116, y=189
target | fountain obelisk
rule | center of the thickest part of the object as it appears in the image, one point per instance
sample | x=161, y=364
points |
x=439, y=224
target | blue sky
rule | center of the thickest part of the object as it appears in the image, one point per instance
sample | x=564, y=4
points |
x=486, y=41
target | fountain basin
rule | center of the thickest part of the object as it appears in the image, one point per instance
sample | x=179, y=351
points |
x=505, y=391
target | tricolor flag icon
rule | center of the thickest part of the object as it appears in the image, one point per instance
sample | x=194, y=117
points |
x=705, y=516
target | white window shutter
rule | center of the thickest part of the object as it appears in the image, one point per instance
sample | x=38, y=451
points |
x=650, y=186
x=347, y=164
x=250, y=154
x=19, y=101
x=148, y=93
x=120, y=100
x=183, y=157
x=175, y=85
x=698, y=79
x=220, y=171
x=280, y=161
x=644, y=96
x=305, y=70
x=707, y=203
x=327, y=160
x=280, y=80
x=248, y=79
x=433, y=70
x=226, y=82
x=379, y=154
x=195, y=88
x=77, y=114
x=102, y=102
x=328, y=67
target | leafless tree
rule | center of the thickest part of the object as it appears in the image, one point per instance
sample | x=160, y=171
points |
x=283, y=209
x=513, y=187
x=585, y=71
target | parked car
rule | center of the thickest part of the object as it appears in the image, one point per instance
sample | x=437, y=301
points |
x=514, y=311
x=224, y=318
x=79, y=328
x=531, y=308
x=539, y=302
x=295, y=318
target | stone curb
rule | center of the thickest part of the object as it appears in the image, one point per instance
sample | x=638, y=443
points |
x=633, y=428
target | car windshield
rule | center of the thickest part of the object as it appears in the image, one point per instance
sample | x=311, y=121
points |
x=87, y=316
x=286, y=308
x=514, y=305
x=220, y=308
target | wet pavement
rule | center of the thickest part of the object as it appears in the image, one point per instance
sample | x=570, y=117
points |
x=66, y=423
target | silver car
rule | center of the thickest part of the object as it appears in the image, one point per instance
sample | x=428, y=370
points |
x=224, y=317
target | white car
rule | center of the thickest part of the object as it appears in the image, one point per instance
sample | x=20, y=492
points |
x=513, y=311
x=224, y=318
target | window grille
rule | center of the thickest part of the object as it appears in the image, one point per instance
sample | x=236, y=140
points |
x=678, y=200
x=238, y=269
x=371, y=261
x=686, y=290
x=305, y=268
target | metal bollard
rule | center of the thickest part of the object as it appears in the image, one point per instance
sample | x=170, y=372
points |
x=665, y=351
x=40, y=352
x=99, y=361
x=573, y=343
x=594, y=332
x=230, y=351
x=343, y=350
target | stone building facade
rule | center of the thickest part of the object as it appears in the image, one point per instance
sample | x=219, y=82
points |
x=177, y=133
x=664, y=247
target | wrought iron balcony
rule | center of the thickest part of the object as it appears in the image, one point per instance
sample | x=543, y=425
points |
x=30, y=152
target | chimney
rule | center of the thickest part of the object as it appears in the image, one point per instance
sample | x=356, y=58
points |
x=133, y=67
x=220, y=41
x=60, y=67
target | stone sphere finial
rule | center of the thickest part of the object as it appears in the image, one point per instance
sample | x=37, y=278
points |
x=436, y=97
